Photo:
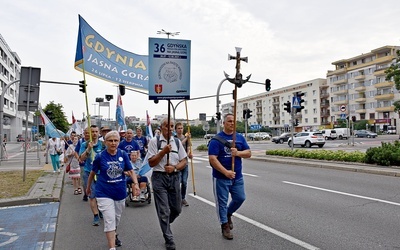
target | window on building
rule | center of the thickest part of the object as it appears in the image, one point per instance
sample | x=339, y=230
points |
x=314, y=110
x=315, y=120
x=372, y=116
x=314, y=92
x=306, y=120
x=315, y=101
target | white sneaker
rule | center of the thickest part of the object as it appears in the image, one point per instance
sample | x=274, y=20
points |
x=142, y=196
x=135, y=198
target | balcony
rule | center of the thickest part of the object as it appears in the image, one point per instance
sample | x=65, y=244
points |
x=340, y=102
x=339, y=82
x=323, y=95
x=385, y=109
x=326, y=123
x=361, y=99
x=380, y=71
x=324, y=104
x=360, y=89
x=275, y=102
x=384, y=84
x=325, y=114
x=340, y=92
x=384, y=59
x=360, y=77
x=360, y=111
x=338, y=71
x=276, y=110
x=276, y=118
x=298, y=116
x=388, y=96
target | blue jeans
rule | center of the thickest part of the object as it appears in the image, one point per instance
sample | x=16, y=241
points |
x=222, y=189
x=85, y=178
x=184, y=174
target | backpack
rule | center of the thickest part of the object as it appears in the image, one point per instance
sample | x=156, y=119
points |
x=221, y=140
x=159, y=142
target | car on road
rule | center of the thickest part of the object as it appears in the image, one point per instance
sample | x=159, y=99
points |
x=259, y=136
x=208, y=136
x=365, y=133
x=329, y=134
x=307, y=139
x=282, y=138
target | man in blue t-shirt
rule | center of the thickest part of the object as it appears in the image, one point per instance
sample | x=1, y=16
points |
x=128, y=144
x=228, y=180
x=87, y=153
x=141, y=141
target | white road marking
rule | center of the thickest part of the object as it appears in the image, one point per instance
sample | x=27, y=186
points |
x=13, y=237
x=343, y=193
x=263, y=227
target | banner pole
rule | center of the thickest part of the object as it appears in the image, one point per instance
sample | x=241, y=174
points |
x=190, y=148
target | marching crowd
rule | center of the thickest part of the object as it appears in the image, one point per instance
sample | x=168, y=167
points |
x=103, y=162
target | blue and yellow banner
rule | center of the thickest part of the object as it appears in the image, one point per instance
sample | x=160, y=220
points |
x=99, y=58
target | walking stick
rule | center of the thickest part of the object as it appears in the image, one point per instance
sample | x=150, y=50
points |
x=234, y=126
x=168, y=124
x=190, y=148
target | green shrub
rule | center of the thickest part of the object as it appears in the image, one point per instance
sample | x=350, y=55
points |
x=321, y=154
x=387, y=154
x=202, y=147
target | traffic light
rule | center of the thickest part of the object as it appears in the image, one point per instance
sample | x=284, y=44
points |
x=296, y=122
x=218, y=115
x=244, y=113
x=82, y=86
x=248, y=113
x=287, y=107
x=122, y=89
x=299, y=96
x=268, y=85
x=353, y=118
x=109, y=97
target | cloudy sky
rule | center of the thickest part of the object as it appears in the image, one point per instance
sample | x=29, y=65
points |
x=287, y=41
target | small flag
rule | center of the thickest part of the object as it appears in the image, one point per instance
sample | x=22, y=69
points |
x=149, y=131
x=120, y=116
x=73, y=118
x=49, y=127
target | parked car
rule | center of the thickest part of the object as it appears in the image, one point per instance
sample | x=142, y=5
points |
x=20, y=138
x=282, y=138
x=208, y=136
x=329, y=134
x=365, y=133
x=307, y=139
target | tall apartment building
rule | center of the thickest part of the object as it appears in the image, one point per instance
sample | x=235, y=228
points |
x=268, y=107
x=359, y=84
x=10, y=70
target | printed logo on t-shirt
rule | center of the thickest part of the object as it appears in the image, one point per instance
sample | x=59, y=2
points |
x=114, y=171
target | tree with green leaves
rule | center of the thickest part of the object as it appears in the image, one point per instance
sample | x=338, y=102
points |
x=393, y=74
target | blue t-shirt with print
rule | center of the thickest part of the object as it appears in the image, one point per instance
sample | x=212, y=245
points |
x=128, y=147
x=110, y=169
x=224, y=155
x=142, y=142
x=89, y=160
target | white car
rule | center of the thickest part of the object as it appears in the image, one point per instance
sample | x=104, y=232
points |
x=307, y=139
x=262, y=136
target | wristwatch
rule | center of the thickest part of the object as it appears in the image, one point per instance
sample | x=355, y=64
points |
x=175, y=170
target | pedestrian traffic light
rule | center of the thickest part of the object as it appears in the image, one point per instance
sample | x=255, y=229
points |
x=122, y=89
x=299, y=96
x=268, y=85
x=82, y=86
x=244, y=113
x=248, y=113
x=353, y=118
x=218, y=115
x=287, y=107
x=296, y=122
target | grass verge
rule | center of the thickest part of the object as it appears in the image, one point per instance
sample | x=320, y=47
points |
x=12, y=185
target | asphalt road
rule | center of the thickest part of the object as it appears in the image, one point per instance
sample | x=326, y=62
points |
x=288, y=207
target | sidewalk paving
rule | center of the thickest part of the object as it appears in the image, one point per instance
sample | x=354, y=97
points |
x=48, y=187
